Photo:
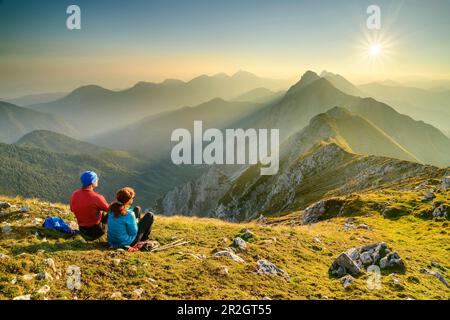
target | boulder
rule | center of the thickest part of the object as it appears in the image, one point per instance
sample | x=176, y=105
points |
x=322, y=209
x=25, y=209
x=230, y=254
x=441, y=211
x=266, y=267
x=239, y=244
x=344, y=264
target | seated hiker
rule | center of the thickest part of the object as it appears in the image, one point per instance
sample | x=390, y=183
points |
x=89, y=207
x=125, y=225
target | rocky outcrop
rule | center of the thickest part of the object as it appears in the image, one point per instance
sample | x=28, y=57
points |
x=355, y=260
x=198, y=197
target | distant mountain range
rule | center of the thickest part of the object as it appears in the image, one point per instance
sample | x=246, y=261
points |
x=16, y=121
x=36, y=98
x=93, y=109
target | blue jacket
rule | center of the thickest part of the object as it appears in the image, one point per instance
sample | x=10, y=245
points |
x=122, y=230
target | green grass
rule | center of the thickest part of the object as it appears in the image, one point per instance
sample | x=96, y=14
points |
x=178, y=274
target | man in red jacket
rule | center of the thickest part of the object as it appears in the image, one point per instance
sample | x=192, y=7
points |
x=89, y=207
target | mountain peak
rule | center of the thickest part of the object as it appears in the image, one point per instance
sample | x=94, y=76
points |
x=307, y=78
x=243, y=73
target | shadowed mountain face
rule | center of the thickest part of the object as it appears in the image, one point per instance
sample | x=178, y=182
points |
x=16, y=121
x=93, y=109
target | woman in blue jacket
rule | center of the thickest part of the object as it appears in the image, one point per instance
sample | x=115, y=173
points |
x=125, y=226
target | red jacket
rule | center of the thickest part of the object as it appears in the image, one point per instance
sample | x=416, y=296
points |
x=87, y=206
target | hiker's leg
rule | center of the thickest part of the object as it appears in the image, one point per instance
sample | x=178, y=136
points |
x=147, y=225
x=92, y=233
x=144, y=228
x=137, y=212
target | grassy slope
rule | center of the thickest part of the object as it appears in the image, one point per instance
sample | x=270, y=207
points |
x=176, y=274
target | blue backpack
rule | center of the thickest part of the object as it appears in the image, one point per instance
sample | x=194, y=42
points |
x=58, y=224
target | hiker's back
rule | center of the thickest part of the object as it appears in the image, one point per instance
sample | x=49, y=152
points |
x=87, y=205
x=122, y=229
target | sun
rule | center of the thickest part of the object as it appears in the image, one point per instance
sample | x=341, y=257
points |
x=375, y=49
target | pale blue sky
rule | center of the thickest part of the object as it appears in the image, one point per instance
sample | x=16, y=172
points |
x=122, y=42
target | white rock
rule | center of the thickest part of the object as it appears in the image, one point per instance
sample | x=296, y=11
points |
x=363, y=226
x=116, y=295
x=28, y=277
x=138, y=292
x=117, y=261
x=50, y=263
x=239, y=243
x=3, y=256
x=44, y=289
x=25, y=297
x=229, y=253
x=266, y=267
x=223, y=270
x=25, y=209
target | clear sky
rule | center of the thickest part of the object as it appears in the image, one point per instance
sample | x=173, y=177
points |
x=122, y=42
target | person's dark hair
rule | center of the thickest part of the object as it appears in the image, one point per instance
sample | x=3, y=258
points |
x=123, y=199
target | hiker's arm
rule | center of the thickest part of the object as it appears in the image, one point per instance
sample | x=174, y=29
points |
x=102, y=204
